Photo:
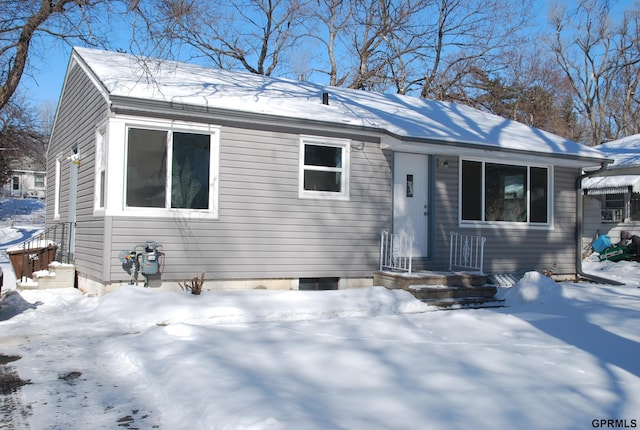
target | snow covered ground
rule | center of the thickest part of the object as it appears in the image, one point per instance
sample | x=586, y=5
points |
x=562, y=356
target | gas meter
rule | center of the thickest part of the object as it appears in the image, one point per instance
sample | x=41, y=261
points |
x=145, y=258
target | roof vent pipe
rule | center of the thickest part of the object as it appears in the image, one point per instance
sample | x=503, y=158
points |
x=325, y=99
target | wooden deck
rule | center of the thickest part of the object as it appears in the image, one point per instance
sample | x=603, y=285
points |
x=443, y=289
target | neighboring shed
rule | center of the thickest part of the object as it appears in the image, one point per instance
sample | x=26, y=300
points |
x=275, y=183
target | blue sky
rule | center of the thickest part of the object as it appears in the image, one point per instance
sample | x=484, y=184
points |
x=45, y=82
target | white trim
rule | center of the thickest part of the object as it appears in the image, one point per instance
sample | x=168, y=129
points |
x=56, y=192
x=117, y=131
x=101, y=156
x=345, y=145
x=508, y=224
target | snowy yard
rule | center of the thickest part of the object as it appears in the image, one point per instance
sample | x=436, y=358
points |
x=562, y=356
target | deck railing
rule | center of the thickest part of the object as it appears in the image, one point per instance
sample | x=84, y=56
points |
x=466, y=252
x=53, y=244
x=395, y=252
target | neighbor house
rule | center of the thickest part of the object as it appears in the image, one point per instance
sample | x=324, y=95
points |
x=612, y=197
x=27, y=178
x=263, y=182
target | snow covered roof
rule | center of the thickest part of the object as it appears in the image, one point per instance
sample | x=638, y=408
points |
x=401, y=118
x=622, y=173
x=611, y=184
x=625, y=152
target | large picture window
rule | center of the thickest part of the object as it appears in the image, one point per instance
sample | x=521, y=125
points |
x=324, y=168
x=169, y=169
x=492, y=192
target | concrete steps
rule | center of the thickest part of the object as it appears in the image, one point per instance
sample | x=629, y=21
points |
x=56, y=276
x=443, y=289
x=456, y=296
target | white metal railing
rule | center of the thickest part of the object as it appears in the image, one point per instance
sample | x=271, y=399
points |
x=611, y=215
x=395, y=252
x=466, y=252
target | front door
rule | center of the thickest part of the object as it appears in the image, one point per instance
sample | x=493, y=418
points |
x=411, y=199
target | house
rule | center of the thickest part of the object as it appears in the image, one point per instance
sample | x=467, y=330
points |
x=612, y=197
x=263, y=182
x=27, y=178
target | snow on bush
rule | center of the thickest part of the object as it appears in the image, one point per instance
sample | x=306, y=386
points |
x=534, y=287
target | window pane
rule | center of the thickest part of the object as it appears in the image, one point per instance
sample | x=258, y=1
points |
x=614, y=201
x=505, y=193
x=190, y=171
x=472, y=190
x=322, y=181
x=325, y=156
x=146, y=168
x=635, y=206
x=103, y=187
x=539, y=198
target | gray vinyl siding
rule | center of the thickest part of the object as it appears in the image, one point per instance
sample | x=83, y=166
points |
x=80, y=110
x=509, y=250
x=264, y=230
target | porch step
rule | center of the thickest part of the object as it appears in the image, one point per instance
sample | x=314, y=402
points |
x=57, y=276
x=405, y=280
x=429, y=292
x=456, y=296
x=450, y=290
x=466, y=303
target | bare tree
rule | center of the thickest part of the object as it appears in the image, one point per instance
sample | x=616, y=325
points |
x=20, y=136
x=21, y=23
x=469, y=35
x=584, y=46
x=625, y=99
x=333, y=16
x=534, y=92
x=250, y=34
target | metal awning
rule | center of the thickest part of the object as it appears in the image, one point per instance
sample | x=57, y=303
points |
x=618, y=184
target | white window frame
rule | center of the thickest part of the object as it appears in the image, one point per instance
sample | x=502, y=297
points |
x=100, y=188
x=39, y=180
x=511, y=224
x=56, y=192
x=344, y=170
x=117, y=133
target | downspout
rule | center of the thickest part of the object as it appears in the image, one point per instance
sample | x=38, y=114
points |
x=579, y=222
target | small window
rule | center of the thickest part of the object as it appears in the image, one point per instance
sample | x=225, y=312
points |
x=324, y=168
x=16, y=182
x=613, y=208
x=38, y=180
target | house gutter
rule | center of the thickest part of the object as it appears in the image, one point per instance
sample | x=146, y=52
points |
x=579, y=225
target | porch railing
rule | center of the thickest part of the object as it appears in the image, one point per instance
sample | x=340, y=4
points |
x=395, y=252
x=466, y=252
x=53, y=244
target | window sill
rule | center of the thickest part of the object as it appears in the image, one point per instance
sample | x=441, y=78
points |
x=323, y=197
x=504, y=225
x=164, y=213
